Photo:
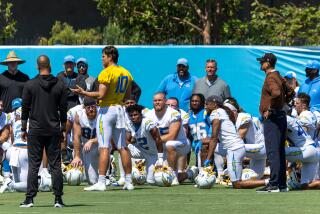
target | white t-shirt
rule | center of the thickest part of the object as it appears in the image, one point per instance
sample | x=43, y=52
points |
x=254, y=134
x=143, y=137
x=308, y=120
x=88, y=127
x=296, y=134
x=228, y=135
x=163, y=123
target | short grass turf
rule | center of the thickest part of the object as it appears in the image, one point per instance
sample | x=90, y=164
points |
x=179, y=199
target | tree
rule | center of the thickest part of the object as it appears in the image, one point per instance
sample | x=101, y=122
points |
x=63, y=33
x=7, y=23
x=164, y=20
x=287, y=25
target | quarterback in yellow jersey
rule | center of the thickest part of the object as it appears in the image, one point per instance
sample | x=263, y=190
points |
x=114, y=86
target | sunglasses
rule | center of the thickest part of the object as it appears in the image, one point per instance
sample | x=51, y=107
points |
x=82, y=66
x=90, y=107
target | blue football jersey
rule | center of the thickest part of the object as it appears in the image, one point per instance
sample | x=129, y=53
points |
x=199, y=125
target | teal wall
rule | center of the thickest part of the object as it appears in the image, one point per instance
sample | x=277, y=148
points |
x=237, y=65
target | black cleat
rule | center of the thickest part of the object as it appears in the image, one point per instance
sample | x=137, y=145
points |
x=268, y=189
x=58, y=203
x=27, y=203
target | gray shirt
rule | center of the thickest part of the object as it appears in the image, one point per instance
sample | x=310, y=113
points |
x=218, y=87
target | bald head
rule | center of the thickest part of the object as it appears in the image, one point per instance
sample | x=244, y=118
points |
x=43, y=62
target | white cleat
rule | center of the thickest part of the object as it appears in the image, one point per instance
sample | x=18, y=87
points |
x=96, y=187
x=121, y=181
x=128, y=186
x=175, y=181
x=6, y=186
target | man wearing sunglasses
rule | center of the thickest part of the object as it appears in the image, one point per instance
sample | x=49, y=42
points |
x=82, y=66
x=312, y=84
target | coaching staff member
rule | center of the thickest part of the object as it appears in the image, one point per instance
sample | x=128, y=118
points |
x=275, y=123
x=44, y=103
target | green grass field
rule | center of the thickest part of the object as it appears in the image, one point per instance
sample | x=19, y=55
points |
x=178, y=199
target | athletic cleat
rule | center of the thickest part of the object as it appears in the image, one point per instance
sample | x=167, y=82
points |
x=128, y=186
x=121, y=181
x=6, y=187
x=96, y=187
x=175, y=181
x=268, y=189
x=58, y=203
x=192, y=172
x=27, y=203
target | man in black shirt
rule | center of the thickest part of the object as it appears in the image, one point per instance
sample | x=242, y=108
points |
x=44, y=103
x=70, y=79
x=12, y=81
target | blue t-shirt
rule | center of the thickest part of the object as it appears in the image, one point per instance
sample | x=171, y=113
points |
x=312, y=88
x=173, y=86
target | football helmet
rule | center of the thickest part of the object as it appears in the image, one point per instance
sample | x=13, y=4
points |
x=139, y=175
x=163, y=176
x=206, y=178
x=74, y=175
x=45, y=181
x=248, y=174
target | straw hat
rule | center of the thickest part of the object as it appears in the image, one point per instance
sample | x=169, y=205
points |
x=12, y=57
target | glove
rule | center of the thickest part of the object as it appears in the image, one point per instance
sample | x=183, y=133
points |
x=134, y=151
x=198, y=147
x=207, y=163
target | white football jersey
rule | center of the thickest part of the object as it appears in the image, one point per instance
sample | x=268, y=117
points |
x=128, y=121
x=17, y=133
x=88, y=127
x=3, y=120
x=163, y=123
x=72, y=112
x=184, y=117
x=228, y=135
x=309, y=120
x=143, y=137
x=254, y=134
x=296, y=134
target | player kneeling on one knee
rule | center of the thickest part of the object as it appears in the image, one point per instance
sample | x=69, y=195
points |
x=172, y=135
x=85, y=140
x=141, y=136
x=223, y=128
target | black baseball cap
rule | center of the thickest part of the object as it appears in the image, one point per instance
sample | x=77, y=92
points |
x=216, y=99
x=268, y=57
x=88, y=101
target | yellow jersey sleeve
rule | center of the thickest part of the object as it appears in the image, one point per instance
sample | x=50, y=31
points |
x=105, y=77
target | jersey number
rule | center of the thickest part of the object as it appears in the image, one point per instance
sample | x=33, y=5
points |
x=142, y=142
x=88, y=133
x=122, y=84
x=301, y=131
x=198, y=131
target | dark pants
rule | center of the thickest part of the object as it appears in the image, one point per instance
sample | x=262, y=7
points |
x=35, y=151
x=275, y=128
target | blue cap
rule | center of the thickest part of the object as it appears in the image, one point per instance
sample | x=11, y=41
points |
x=182, y=61
x=69, y=58
x=82, y=59
x=313, y=64
x=290, y=75
x=16, y=103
